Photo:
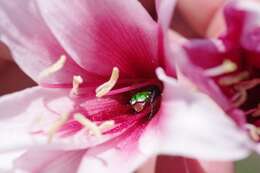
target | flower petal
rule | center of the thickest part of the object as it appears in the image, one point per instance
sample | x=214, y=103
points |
x=216, y=167
x=49, y=161
x=101, y=34
x=191, y=127
x=235, y=20
x=7, y=159
x=195, y=73
x=26, y=116
x=33, y=46
x=115, y=156
x=250, y=35
x=165, y=10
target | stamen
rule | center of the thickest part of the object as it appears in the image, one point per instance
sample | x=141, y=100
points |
x=242, y=89
x=92, y=127
x=103, y=89
x=246, y=85
x=226, y=67
x=106, y=125
x=56, y=126
x=58, y=65
x=77, y=80
x=253, y=132
x=231, y=80
x=239, y=98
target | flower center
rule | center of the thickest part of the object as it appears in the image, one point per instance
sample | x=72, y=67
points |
x=243, y=88
x=118, y=105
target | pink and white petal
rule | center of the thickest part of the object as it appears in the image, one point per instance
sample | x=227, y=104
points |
x=101, y=34
x=235, y=20
x=165, y=10
x=205, y=53
x=121, y=154
x=112, y=160
x=21, y=112
x=251, y=28
x=191, y=124
x=7, y=159
x=196, y=74
x=49, y=161
x=216, y=167
x=33, y=46
x=149, y=166
x=250, y=37
x=33, y=110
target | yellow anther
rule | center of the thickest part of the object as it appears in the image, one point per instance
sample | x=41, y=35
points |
x=56, y=126
x=92, y=127
x=226, y=67
x=58, y=65
x=103, y=89
x=77, y=80
x=106, y=125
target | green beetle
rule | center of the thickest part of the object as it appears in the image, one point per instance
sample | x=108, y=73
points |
x=140, y=99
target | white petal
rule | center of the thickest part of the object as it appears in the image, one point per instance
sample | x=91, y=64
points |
x=191, y=124
x=6, y=160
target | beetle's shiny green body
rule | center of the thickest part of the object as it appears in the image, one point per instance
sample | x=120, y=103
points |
x=140, y=99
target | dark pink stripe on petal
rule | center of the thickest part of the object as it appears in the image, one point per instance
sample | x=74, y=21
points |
x=101, y=34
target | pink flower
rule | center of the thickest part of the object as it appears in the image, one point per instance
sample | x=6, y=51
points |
x=227, y=68
x=82, y=118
